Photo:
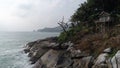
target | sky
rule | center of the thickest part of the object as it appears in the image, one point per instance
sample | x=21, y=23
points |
x=29, y=15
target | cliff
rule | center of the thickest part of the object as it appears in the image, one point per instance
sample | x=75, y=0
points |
x=91, y=41
x=47, y=53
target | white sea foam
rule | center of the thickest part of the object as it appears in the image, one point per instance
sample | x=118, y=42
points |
x=11, y=48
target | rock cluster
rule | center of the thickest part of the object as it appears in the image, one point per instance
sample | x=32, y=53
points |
x=49, y=54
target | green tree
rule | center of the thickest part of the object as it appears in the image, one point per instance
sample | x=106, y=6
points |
x=89, y=10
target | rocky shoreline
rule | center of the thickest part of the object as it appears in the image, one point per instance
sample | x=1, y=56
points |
x=47, y=53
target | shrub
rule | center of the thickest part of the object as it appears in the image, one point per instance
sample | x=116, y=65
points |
x=63, y=37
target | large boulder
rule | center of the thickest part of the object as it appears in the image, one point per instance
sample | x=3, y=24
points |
x=64, y=60
x=116, y=60
x=85, y=62
x=50, y=58
x=37, y=54
x=28, y=46
x=39, y=64
x=101, y=61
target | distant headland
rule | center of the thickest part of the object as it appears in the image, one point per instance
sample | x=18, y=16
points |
x=48, y=29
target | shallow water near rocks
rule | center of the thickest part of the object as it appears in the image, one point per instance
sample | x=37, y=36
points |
x=11, y=47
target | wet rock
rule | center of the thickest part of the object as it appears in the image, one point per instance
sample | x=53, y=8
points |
x=27, y=50
x=36, y=55
x=36, y=49
x=30, y=44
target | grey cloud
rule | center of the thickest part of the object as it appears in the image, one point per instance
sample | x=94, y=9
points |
x=26, y=6
x=35, y=14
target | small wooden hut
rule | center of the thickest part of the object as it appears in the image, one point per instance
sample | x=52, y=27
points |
x=103, y=21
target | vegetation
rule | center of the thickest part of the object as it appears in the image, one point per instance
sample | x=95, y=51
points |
x=83, y=27
x=90, y=10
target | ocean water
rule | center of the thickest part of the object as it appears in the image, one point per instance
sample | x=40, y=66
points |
x=11, y=47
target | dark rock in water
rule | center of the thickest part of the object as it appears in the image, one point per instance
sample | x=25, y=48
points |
x=36, y=48
x=26, y=50
x=31, y=44
x=36, y=55
x=28, y=46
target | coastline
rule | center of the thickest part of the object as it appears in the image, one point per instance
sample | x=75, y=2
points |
x=47, y=53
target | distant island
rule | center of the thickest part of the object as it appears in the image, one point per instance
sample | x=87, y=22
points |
x=54, y=29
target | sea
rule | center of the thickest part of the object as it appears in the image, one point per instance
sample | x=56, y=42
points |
x=12, y=46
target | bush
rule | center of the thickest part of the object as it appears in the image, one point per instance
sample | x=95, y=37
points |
x=63, y=37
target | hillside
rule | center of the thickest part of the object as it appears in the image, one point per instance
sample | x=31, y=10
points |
x=92, y=41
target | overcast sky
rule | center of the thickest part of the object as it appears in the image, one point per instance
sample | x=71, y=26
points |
x=28, y=15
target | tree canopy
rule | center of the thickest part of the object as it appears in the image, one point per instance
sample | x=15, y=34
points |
x=89, y=10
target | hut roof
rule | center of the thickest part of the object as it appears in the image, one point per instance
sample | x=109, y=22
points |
x=104, y=14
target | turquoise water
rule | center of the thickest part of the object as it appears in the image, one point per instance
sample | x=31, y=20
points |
x=11, y=48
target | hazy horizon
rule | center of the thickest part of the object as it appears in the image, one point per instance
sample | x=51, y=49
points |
x=29, y=15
